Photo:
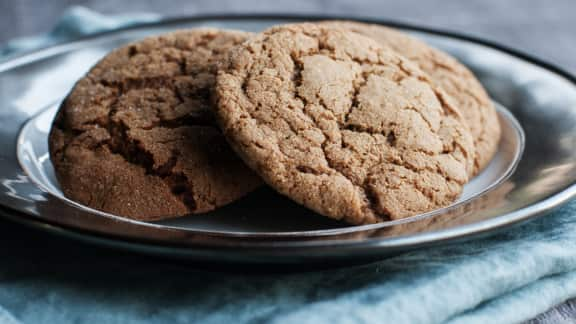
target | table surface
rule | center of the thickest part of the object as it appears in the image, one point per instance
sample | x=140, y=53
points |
x=542, y=28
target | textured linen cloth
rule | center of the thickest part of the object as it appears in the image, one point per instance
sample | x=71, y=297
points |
x=506, y=278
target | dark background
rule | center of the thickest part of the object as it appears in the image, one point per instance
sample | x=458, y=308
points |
x=545, y=29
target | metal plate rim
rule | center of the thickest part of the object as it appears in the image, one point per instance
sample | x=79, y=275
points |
x=367, y=244
x=502, y=112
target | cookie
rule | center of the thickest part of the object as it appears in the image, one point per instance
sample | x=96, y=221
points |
x=136, y=136
x=342, y=125
x=469, y=95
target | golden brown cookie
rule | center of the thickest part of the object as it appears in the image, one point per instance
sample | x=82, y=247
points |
x=136, y=136
x=342, y=125
x=469, y=95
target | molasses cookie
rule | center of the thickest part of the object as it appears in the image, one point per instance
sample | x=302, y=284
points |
x=342, y=125
x=468, y=94
x=136, y=136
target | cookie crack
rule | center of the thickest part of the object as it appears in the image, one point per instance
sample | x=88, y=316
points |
x=435, y=169
x=369, y=202
x=297, y=79
x=482, y=137
x=412, y=181
x=398, y=80
x=354, y=102
x=426, y=121
x=128, y=84
x=131, y=150
x=372, y=201
x=182, y=188
x=166, y=82
x=437, y=65
x=390, y=136
x=448, y=111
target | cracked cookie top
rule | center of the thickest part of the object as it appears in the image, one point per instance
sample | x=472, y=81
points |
x=342, y=125
x=136, y=136
x=454, y=78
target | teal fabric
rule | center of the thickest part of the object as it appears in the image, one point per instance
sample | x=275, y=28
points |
x=74, y=23
x=507, y=278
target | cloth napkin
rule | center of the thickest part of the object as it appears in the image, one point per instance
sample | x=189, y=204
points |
x=506, y=278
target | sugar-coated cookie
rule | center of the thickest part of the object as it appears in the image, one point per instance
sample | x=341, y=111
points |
x=136, y=136
x=343, y=125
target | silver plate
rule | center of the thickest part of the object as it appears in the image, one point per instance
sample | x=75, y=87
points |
x=265, y=227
